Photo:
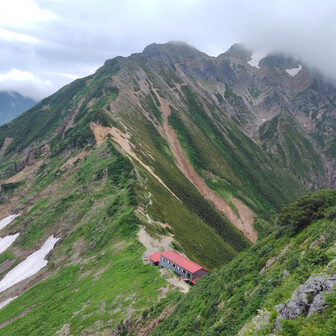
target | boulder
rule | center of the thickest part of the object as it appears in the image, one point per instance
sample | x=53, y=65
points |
x=307, y=299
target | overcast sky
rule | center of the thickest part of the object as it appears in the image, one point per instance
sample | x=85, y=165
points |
x=45, y=44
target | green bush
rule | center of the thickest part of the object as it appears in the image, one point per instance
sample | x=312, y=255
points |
x=298, y=215
x=8, y=187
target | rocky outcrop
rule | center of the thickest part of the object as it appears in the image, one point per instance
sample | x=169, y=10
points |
x=29, y=160
x=307, y=299
x=258, y=324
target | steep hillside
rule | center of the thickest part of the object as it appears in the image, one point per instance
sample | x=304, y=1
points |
x=289, y=109
x=95, y=276
x=259, y=283
x=161, y=102
x=12, y=104
x=150, y=148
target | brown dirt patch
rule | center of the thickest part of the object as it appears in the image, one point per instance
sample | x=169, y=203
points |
x=100, y=133
x=24, y=173
x=146, y=331
x=152, y=245
x=245, y=220
x=69, y=164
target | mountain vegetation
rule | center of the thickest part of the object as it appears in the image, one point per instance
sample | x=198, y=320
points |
x=211, y=154
x=265, y=276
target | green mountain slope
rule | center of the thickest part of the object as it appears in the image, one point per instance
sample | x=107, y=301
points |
x=265, y=276
x=140, y=107
x=148, y=145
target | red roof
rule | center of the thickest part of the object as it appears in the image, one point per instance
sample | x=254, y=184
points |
x=182, y=261
x=155, y=257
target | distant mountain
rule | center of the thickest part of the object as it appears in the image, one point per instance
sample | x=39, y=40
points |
x=12, y=104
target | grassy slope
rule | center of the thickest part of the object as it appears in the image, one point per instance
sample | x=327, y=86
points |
x=42, y=119
x=99, y=207
x=89, y=100
x=108, y=282
x=236, y=165
x=195, y=223
x=295, y=151
x=224, y=301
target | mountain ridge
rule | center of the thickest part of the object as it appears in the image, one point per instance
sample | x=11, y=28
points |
x=173, y=144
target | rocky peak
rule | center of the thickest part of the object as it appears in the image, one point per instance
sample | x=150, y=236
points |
x=237, y=51
x=279, y=60
x=179, y=51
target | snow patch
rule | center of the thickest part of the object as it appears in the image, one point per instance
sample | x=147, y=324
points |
x=292, y=72
x=264, y=120
x=256, y=57
x=4, y=222
x=6, y=302
x=30, y=266
x=7, y=241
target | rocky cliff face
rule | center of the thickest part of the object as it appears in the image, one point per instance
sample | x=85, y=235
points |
x=283, y=105
x=291, y=113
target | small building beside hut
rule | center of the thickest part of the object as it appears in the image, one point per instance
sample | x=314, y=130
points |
x=154, y=259
x=183, y=267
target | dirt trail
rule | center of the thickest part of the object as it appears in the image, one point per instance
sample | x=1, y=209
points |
x=152, y=245
x=100, y=133
x=245, y=220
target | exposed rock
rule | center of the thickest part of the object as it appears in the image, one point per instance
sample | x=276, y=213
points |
x=317, y=304
x=269, y=262
x=279, y=307
x=284, y=250
x=64, y=331
x=307, y=299
x=3, y=198
x=259, y=323
x=285, y=274
x=92, y=245
x=317, y=241
x=331, y=265
x=220, y=305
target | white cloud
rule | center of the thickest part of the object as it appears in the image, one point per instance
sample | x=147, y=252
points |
x=58, y=40
x=10, y=35
x=20, y=13
x=26, y=83
x=65, y=75
x=17, y=75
